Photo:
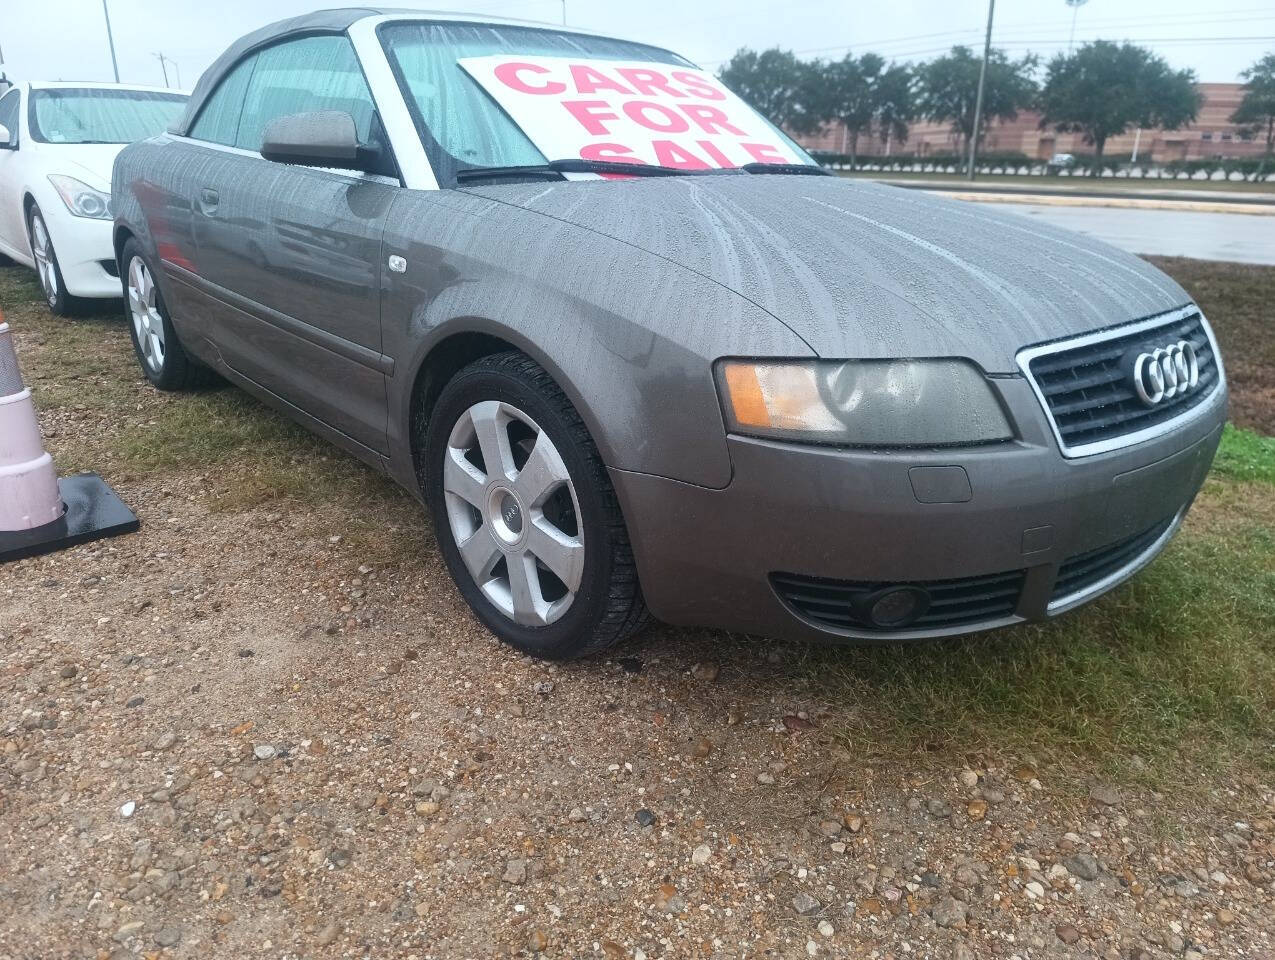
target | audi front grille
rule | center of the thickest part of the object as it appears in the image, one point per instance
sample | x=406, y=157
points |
x=1088, y=388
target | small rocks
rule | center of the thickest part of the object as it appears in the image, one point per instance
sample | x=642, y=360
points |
x=538, y=941
x=644, y=818
x=766, y=779
x=976, y=809
x=702, y=749
x=938, y=808
x=542, y=687
x=829, y=828
x=705, y=671
x=950, y=912
x=426, y=808
x=826, y=929
x=164, y=741
x=134, y=702
x=68, y=672
x=264, y=751
x=968, y=779
x=328, y=934
x=127, y=930
x=852, y=822
x=127, y=809
x=806, y=905
x=1104, y=794
x=1082, y=865
x=1034, y=890
x=1067, y=933
x=515, y=872
x=168, y=936
x=701, y=854
x=1225, y=917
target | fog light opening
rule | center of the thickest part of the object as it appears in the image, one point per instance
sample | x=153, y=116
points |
x=896, y=607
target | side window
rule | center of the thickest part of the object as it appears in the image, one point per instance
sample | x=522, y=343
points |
x=218, y=121
x=299, y=76
x=9, y=115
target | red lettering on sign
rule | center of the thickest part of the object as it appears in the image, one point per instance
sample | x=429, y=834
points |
x=638, y=111
x=588, y=80
x=591, y=113
x=697, y=86
x=710, y=119
x=647, y=82
x=764, y=153
x=715, y=154
x=669, y=154
x=507, y=73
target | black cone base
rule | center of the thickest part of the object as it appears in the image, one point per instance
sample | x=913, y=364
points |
x=93, y=511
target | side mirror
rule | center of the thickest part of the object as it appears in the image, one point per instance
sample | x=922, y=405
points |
x=324, y=138
x=5, y=138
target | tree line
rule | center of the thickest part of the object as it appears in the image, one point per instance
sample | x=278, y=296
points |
x=1101, y=90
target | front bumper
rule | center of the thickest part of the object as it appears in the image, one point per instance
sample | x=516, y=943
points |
x=85, y=251
x=709, y=557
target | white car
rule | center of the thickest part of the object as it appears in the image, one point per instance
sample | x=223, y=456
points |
x=58, y=142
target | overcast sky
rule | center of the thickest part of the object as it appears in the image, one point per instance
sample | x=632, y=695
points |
x=66, y=39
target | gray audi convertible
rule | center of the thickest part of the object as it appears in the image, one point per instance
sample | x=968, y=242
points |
x=642, y=357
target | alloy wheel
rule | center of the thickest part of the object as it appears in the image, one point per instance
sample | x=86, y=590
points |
x=513, y=513
x=148, y=324
x=45, y=265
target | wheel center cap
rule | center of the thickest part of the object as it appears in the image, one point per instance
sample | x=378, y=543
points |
x=506, y=515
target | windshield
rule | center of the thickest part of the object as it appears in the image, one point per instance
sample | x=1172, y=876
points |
x=498, y=96
x=101, y=115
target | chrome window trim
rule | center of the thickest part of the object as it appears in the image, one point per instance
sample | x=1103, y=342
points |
x=1025, y=356
x=1072, y=600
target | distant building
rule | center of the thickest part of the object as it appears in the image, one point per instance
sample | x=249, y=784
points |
x=1212, y=135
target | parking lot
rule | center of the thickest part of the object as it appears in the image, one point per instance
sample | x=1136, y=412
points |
x=267, y=725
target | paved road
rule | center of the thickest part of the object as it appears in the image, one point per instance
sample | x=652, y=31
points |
x=1242, y=238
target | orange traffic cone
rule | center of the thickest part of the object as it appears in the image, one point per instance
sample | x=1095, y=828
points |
x=38, y=512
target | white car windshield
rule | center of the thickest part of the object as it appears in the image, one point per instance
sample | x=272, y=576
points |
x=101, y=115
x=474, y=91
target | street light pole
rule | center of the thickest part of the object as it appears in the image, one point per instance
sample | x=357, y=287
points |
x=162, y=60
x=111, y=41
x=1075, y=9
x=564, y=12
x=982, y=80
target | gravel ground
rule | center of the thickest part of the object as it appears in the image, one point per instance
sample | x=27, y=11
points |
x=241, y=733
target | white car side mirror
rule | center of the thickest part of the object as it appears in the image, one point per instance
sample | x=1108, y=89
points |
x=4, y=139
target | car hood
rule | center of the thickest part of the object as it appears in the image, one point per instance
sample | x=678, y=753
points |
x=858, y=269
x=90, y=162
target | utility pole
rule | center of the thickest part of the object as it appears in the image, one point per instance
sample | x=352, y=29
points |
x=982, y=80
x=1075, y=9
x=564, y=12
x=162, y=60
x=111, y=41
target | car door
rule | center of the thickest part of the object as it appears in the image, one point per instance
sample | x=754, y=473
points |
x=290, y=255
x=13, y=236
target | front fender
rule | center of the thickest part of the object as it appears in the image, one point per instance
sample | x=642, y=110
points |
x=630, y=337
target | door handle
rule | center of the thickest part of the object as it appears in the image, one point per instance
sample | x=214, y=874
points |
x=208, y=199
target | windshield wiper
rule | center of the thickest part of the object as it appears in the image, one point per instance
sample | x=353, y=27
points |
x=792, y=169
x=554, y=169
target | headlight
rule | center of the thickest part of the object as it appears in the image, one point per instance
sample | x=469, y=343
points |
x=81, y=199
x=869, y=403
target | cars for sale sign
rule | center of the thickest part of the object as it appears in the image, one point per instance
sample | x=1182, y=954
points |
x=628, y=112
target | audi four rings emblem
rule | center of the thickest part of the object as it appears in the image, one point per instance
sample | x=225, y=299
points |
x=1165, y=373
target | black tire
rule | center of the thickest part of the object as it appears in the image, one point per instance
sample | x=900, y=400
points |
x=608, y=605
x=61, y=303
x=178, y=370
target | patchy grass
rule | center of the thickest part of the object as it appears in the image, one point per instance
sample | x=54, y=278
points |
x=1171, y=676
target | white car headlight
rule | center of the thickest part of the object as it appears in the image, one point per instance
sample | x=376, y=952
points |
x=81, y=199
x=866, y=403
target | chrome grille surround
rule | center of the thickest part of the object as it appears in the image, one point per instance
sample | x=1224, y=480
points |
x=1129, y=331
